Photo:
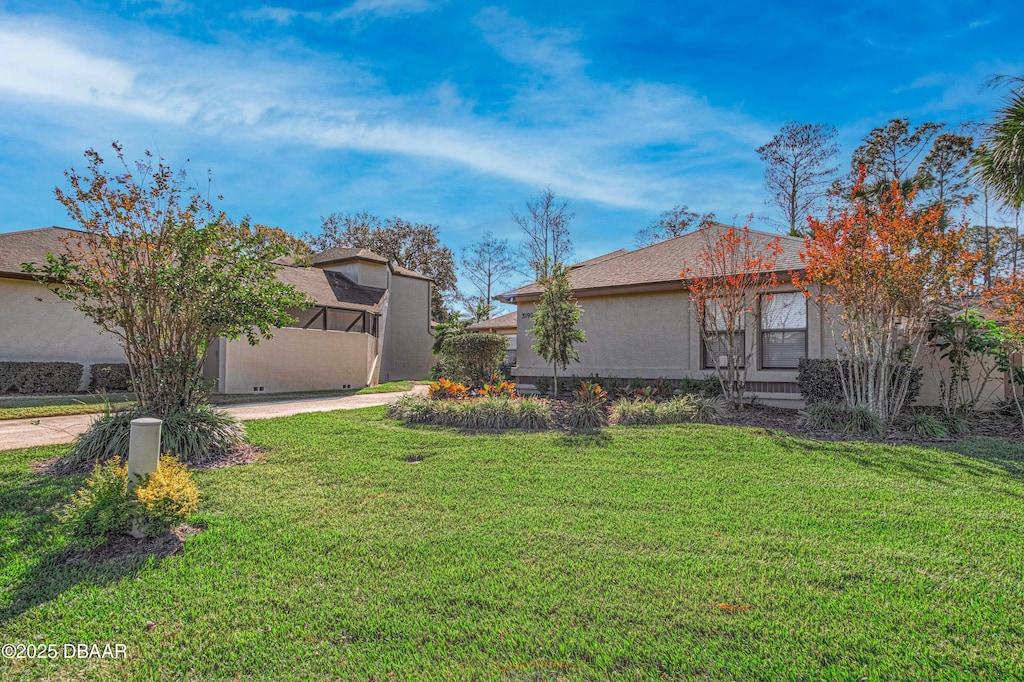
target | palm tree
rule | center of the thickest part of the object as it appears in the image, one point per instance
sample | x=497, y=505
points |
x=999, y=161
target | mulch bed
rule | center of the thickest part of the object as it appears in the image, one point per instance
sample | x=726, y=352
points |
x=243, y=453
x=126, y=549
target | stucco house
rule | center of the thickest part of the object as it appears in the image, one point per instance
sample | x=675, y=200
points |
x=639, y=323
x=370, y=323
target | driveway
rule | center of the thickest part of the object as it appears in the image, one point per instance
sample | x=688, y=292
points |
x=27, y=433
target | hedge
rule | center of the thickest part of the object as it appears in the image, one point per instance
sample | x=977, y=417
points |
x=473, y=358
x=111, y=377
x=820, y=381
x=40, y=377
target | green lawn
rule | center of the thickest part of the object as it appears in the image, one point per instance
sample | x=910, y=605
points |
x=533, y=556
x=26, y=407
x=34, y=407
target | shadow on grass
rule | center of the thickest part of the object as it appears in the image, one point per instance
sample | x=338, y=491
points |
x=998, y=453
x=28, y=503
x=922, y=461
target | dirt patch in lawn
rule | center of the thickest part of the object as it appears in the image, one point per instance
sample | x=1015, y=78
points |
x=126, y=549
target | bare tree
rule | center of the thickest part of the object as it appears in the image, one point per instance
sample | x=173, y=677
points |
x=798, y=167
x=486, y=264
x=546, y=226
x=671, y=224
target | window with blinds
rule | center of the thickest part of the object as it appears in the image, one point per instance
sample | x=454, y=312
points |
x=783, y=330
x=716, y=342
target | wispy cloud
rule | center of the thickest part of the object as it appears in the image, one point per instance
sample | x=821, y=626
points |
x=546, y=50
x=359, y=11
x=627, y=145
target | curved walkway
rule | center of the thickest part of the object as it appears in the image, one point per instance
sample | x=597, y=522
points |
x=27, y=433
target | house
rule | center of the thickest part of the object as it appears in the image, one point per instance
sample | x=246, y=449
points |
x=639, y=323
x=370, y=322
x=505, y=325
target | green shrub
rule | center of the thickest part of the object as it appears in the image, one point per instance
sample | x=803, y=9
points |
x=956, y=423
x=585, y=415
x=40, y=377
x=710, y=409
x=473, y=358
x=167, y=497
x=639, y=412
x=827, y=416
x=924, y=424
x=110, y=377
x=477, y=414
x=101, y=508
x=679, y=410
x=820, y=380
x=193, y=434
x=709, y=387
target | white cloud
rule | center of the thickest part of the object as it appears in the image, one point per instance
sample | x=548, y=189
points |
x=381, y=8
x=588, y=140
x=546, y=50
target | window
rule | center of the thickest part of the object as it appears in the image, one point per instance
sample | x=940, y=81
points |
x=783, y=330
x=716, y=342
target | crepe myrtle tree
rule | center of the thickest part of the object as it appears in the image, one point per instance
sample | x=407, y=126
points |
x=881, y=272
x=162, y=271
x=734, y=268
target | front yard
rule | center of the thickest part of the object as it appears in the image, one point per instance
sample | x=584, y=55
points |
x=363, y=548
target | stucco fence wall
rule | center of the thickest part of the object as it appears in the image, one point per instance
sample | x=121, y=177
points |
x=36, y=326
x=297, y=360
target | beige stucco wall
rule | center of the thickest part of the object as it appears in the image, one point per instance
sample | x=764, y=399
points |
x=297, y=360
x=651, y=335
x=367, y=273
x=407, y=337
x=36, y=326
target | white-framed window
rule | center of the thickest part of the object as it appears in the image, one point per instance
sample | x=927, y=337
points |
x=783, y=330
x=716, y=337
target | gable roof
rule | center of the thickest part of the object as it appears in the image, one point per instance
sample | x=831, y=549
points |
x=323, y=286
x=332, y=289
x=339, y=254
x=660, y=263
x=30, y=246
x=506, y=321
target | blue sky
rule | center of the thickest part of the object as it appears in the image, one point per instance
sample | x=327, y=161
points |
x=454, y=113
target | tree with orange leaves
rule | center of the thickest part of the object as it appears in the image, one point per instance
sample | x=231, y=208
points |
x=735, y=266
x=881, y=271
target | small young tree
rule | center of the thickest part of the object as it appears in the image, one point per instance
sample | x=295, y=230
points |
x=973, y=350
x=735, y=266
x=165, y=274
x=555, y=319
x=882, y=272
x=1006, y=298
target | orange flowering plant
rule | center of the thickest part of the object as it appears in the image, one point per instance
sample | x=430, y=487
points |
x=446, y=389
x=735, y=266
x=880, y=272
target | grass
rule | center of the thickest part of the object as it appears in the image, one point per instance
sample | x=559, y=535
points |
x=363, y=548
x=389, y=387
x=34, y=407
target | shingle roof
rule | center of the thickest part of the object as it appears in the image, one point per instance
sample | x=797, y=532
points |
x=662, y=262
x=343, y=253
x=506, y=321
x=406, y=272
x=324, y=286
x=330, y=288
x=30, y=246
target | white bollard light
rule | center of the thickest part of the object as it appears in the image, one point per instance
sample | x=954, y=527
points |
x=143, y=457
x=143, y=449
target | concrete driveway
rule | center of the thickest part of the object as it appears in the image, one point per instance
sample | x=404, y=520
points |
x=27, y=433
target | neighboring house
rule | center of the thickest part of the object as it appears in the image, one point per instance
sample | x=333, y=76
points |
x=639, y=323
x=504, y=325
x=370, y=323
